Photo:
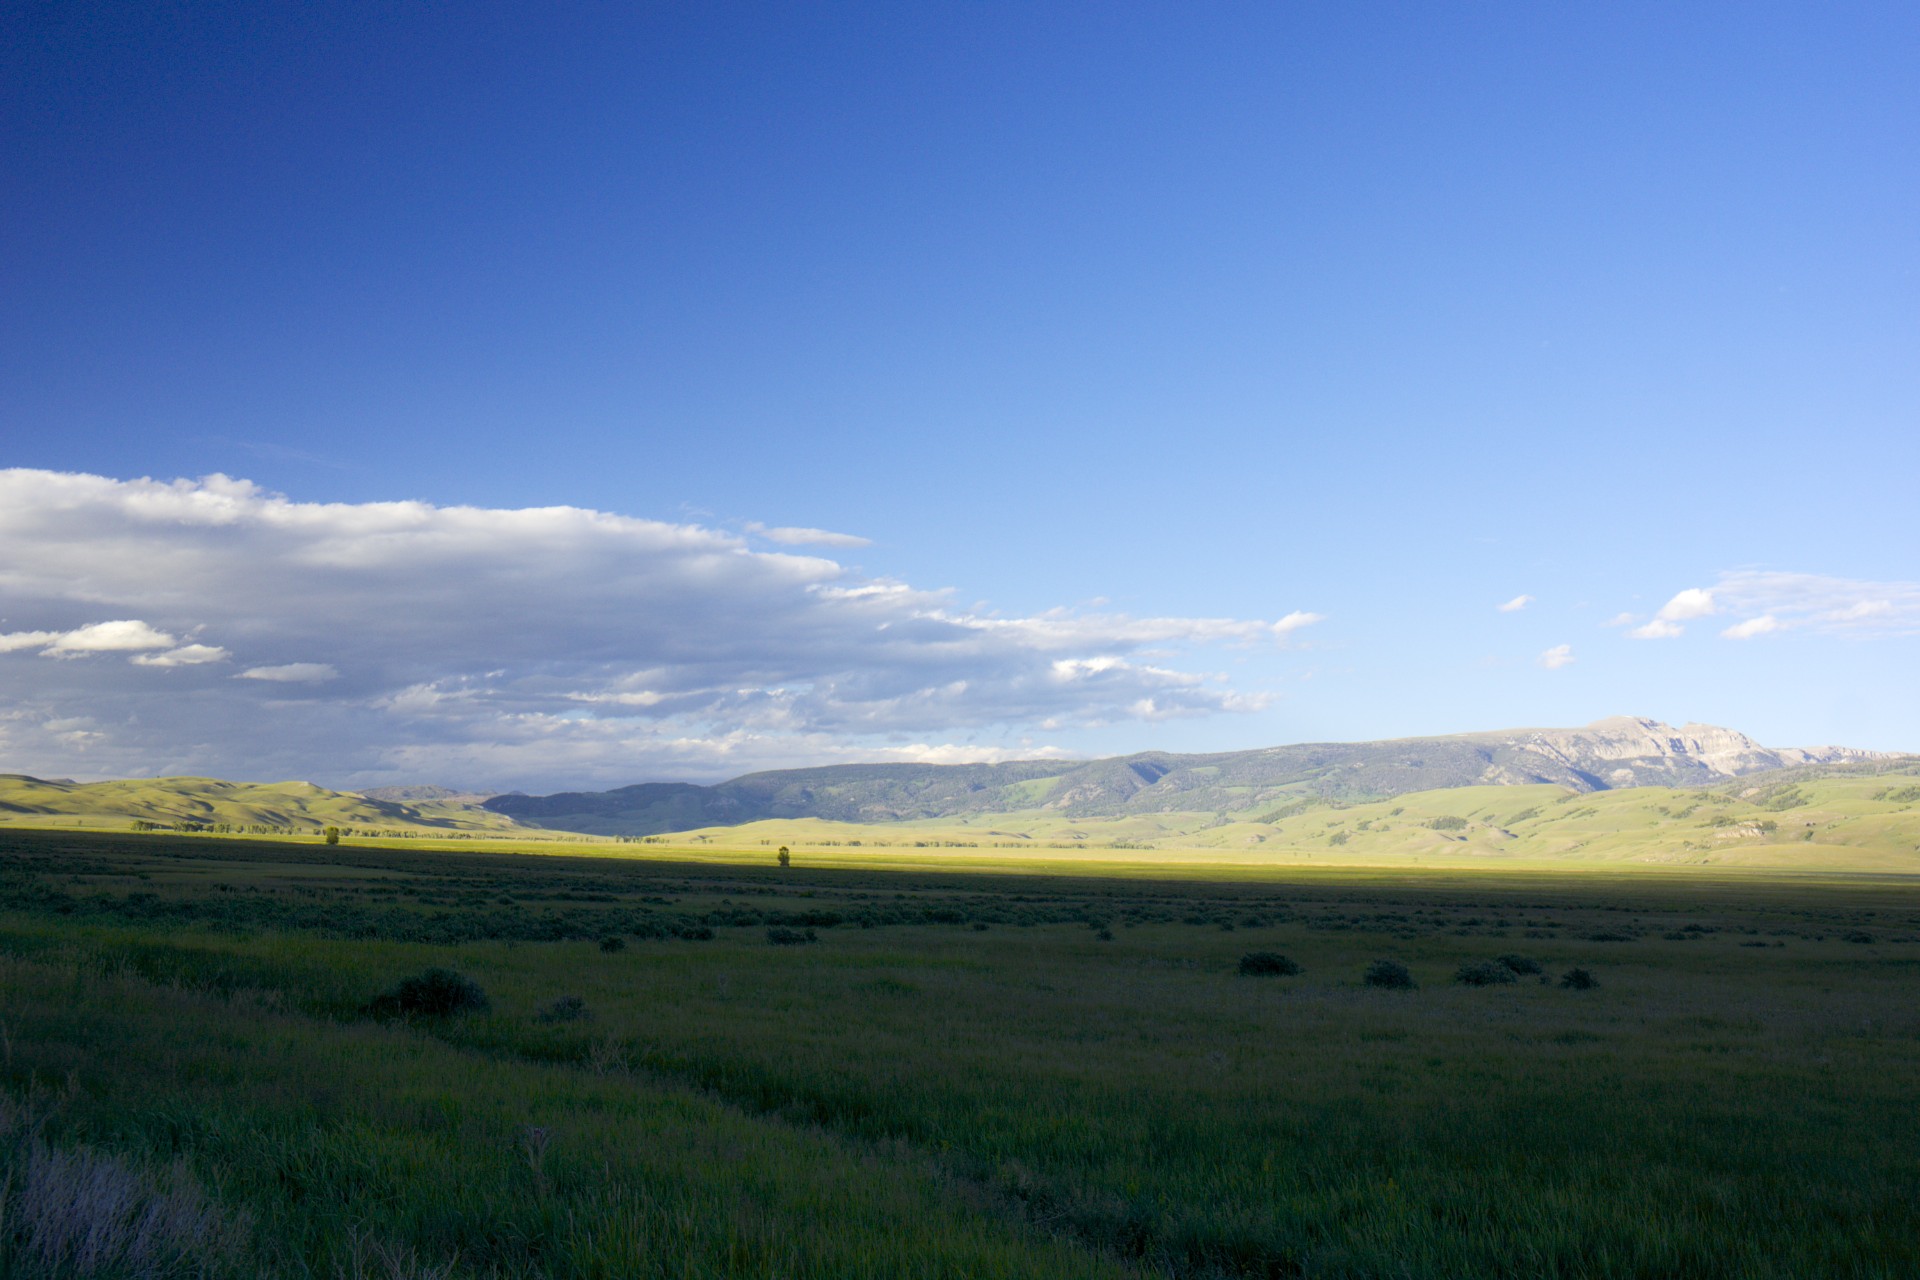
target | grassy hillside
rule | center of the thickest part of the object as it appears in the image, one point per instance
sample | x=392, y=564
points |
x=209, y=803
x=1859, y=821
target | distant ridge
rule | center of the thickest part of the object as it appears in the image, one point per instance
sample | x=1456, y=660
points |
x=1619, y=752
x=211, y=803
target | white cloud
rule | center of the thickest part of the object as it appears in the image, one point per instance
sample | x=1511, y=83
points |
x=1770, y=601
x=1694, y=602
x=1752, y=627
x=126, y=635
x=1621, y=620
x=293, y=673
x=793, y=536
x=191, y=655
x=1687, y=605
x=1515, y=605
x=1561, y=655
x=396, y=641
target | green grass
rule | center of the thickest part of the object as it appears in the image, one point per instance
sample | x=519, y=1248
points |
x=211, y=803
x=1824, y=824
x=962, y=1078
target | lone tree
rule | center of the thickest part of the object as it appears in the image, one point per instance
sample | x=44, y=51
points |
x=333, y=835
x=786, y=859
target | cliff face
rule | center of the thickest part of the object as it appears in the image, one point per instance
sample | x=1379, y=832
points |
x=1628, y=751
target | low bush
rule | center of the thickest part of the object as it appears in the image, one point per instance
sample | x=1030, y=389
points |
x=780, y=936
x=1578, y=980
x=433, y=993
x=1484, y=973
x=1521, y=965
x=1261, y=963
x=1390, y=974
x=696, y=933
x=612, y=943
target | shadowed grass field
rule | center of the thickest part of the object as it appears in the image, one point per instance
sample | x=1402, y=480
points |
x=967, y=1075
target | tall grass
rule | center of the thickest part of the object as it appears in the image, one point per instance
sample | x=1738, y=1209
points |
x=918, y=1098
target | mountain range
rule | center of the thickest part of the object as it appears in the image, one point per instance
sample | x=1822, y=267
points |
x=1267, y=783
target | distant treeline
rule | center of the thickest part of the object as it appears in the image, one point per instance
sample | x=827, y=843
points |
x=262, y=829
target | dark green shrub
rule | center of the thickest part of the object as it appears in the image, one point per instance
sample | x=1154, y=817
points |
x=1578, y=980
x=696, y=933
x=1448, y=823
x=1390, y=974
x=566, y=1009
x=612, y=943
x=1103, y=935
x=1261, y=963
x=1484, y=973
x=433, y=993
x=1520, y=964
x=783, y=937
x=1862, y=937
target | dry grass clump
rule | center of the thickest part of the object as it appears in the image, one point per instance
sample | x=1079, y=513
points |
x=1484, y=973
x=82, y=1212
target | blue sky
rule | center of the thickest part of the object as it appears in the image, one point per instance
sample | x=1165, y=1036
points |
x=1080, y=315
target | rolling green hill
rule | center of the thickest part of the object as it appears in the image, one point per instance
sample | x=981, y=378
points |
x=209, y=803
x=1849, y=819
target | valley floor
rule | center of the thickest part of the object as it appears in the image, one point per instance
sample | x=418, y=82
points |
x=720, y=1067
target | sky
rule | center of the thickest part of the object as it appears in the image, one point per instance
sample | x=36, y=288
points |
x=550, y=396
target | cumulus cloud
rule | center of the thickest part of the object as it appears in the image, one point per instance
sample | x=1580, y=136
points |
x=1694, y=602
x=126, y=635
x=1515, y=605
x=1561, y=655
x=378, y=642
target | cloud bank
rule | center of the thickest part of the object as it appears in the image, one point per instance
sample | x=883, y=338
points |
x=211, y=626
x=1769, y=601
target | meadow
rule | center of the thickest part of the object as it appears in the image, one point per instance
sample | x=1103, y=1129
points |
x=696, y=1063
